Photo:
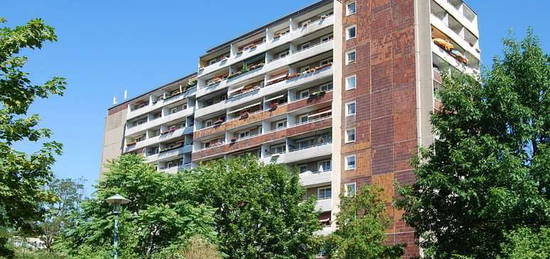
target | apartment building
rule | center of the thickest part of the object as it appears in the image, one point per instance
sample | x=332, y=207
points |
x=342, y=90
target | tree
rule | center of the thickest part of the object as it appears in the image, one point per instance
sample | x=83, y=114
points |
x=362, y=222
x=69, y=195
x=159, y=215
x=22, y=175
x=488, y=171
x=260, y=208
x=525, y=243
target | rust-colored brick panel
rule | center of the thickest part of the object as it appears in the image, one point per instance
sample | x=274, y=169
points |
x=385, y=102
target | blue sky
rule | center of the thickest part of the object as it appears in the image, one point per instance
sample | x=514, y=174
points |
x=108, y=46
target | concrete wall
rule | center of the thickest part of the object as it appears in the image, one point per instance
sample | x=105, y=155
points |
x=115, y=123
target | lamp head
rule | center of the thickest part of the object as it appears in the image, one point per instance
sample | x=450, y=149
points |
x=117, y=200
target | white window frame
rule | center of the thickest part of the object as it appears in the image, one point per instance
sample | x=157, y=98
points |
x=348, y=31
x=347, y=190
x=348, y=61
x=321, y=169
x=348, y=85
x=348, y=110
x=348, y=140
x=208, y=123
x=349, y=11
x=326, y=87
x=303, y=116
x=303, y=91
x=348, y=166
x=319, y=193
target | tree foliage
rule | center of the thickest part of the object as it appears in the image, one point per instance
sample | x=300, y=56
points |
x=260, y=209
x=526, y=243
x=488, y=171
x=68, y=197
x=362, y=222
x=159, y=215
x=22, y=175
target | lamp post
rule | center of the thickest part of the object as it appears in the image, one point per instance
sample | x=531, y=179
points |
x=116, y=201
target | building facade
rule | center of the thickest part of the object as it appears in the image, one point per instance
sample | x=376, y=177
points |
x=342, y=90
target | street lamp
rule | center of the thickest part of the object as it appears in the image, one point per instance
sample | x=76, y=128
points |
x=116, y=201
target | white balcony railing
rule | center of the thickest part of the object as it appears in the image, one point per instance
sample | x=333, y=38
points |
x=265, y=91
x=160, y=121
x=295, y=34
x=323, y=205
x=160, y=103
x=310, y=178
x=299, y=155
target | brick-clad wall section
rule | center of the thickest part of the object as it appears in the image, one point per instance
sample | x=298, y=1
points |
x=385, y=98
x=261, y=116
x=259, y=140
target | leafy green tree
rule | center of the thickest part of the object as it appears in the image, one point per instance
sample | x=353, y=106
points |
x=261, y=211
x=526, y=243
x=488, y=171
x=68, y=197
x=22, y=175
x=159, y=215
x=362, y=222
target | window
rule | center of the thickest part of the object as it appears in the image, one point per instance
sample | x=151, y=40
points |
x=303, y=168
x=244, y=134
x=350, y=162
x=351, y=189
x=324, y=193
x=351, y=82
x=277, y=149
x=350, y=135
x=326, y=87
x=350, y=57
x=303, y=94
x=303, y=118
x=351, y=8
x=278, y=125
x=283, y=54
x=325, y=62
x=350, y=109
x=304, y=69
x=351, y=32
x=326, y=38
x=208, y=123
x=305, y=46
x=325, y=166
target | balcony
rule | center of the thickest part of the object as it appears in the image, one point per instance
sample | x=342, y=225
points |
x=302, y=154
x=323, y=205
x=161, y=138
x=444, y=27
x=313, y=26
x=175, y=152
x=310, y=178
x=462, y=13
x=445, y=56
x=160, y=121
x=160, y=103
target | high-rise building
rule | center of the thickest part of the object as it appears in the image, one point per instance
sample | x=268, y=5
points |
x=342, y=90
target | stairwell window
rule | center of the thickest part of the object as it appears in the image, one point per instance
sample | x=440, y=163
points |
x=350, y=57
x=350, y=135
x=350, y=109
x=351, y=82
x=351, y=8
x=351, y=32
x=350, y=162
